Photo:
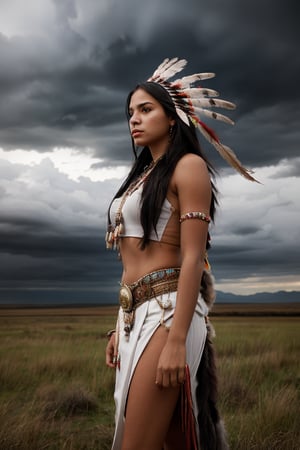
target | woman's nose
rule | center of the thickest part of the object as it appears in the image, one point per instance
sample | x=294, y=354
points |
x=135, y=118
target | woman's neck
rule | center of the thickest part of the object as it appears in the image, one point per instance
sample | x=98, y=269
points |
x=157, y=151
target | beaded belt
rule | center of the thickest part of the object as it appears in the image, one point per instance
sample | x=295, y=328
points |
x=151, y=285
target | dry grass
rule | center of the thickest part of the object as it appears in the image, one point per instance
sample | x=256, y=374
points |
x=259, y=381
x=56, y=392
x=56, y=402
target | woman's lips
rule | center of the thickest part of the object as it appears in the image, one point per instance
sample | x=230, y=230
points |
x=136, y=133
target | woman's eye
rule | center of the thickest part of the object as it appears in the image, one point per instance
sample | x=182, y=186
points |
x=146, y=109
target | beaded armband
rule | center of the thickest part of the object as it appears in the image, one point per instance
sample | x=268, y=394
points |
x=194, y=215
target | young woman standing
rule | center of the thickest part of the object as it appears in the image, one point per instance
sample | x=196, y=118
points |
x=165, y=382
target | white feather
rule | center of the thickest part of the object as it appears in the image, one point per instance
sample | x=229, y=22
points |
x=187, y=81
x=167, y=69
x=163, y=67
x=176, y=67
x=183, y=116
x=160, y=67
x=227, y=154
x=212, y=103
x=208, y=92
x=199, y=93
x=193, y=92
x=213, y=115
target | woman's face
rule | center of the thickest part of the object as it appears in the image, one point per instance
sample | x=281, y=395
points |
x=149, y=125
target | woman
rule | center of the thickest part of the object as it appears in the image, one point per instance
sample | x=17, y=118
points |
x=165, y=393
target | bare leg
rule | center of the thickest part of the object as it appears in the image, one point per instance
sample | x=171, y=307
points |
x=175, y=439
x=149, y=408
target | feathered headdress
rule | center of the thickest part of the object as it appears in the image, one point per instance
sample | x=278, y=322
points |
x=191, y=102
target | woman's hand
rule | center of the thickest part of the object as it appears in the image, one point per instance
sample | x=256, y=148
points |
x=110, y=352
x=171, y=365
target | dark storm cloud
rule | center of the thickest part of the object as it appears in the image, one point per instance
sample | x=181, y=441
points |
x=64, y=82
x=39, y=280
x=261, y=261
x=52, y=236
x=57, y=88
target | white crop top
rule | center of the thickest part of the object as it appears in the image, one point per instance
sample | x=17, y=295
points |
x=131, y=219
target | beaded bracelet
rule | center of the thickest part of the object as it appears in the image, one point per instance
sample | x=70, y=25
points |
x=194, y=215
x=110, y=333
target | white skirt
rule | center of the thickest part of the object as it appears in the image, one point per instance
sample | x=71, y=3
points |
x=147, y=320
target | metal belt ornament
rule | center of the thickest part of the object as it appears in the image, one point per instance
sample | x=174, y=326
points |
x=128, y=306
x=130, y=297
x=125, y=298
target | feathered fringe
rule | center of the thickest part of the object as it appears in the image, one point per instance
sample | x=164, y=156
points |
x=191, y=102
x=224, y=151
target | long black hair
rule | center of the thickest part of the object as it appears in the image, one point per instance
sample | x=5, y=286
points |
x=184, y=140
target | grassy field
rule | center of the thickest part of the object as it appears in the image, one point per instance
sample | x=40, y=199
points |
x=56, y=392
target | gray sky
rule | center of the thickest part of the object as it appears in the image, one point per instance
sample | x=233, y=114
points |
x=66, y=67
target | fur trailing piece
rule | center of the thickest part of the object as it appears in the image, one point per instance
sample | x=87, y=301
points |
x=208, y=289
x=192, y=103
x=211, y=428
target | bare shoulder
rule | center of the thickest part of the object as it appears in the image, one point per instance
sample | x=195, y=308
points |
x=191, y=165
x=191, y=184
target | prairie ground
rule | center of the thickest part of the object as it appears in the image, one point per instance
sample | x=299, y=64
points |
x=56, y=392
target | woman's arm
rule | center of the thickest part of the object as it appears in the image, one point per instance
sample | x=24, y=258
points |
x=110, y=350
x=191, y=182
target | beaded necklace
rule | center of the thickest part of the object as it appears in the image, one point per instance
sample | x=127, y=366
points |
x=114, y=231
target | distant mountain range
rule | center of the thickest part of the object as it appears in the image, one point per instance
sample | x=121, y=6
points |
x=42, y=298
x=261, y=297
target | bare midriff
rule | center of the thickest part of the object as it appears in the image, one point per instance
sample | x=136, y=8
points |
x=137, y=262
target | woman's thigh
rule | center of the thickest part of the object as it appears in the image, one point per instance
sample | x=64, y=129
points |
x=149, y=408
